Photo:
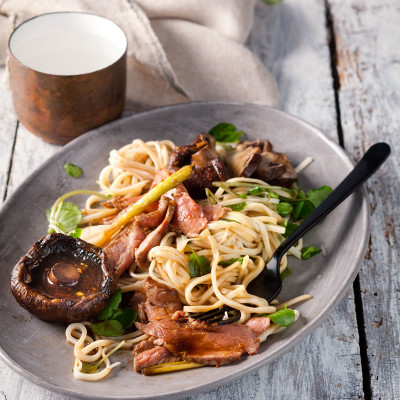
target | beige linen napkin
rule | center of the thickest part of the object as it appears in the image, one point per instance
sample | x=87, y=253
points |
x=178, y=50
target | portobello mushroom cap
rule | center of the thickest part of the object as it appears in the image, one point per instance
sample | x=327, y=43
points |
x=63, y=279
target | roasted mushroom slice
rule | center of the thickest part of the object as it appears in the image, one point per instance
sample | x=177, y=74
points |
x=207, y=165
x=63, y=279
x=243, y=162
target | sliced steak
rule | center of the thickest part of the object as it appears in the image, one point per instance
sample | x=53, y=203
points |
x=153, y=239
x=203, y=343
x=189, y=216
x=155, y=300
x=121, y=251
x=153, y=356
x=214, y=212
x=258, y=324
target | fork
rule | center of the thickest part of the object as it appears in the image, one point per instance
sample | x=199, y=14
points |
x=268, y=284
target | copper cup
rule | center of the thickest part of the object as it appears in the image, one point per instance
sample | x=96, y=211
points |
x=67, y=74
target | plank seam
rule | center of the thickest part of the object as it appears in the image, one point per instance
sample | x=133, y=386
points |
x=11, y=162
x=334, y=70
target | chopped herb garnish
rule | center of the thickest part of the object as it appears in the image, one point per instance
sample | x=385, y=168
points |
x=225, y=133
x=114, y=320
x=198, y=265
x=73, y=170
x=226, y=263
x=290, y=227
x=76, y=233
x=284, y=209
x=256, y=191
x=67, y=217
x=308, y=252
x=237, y=207
x=283, y=317
x=272, y=2
x=317, y=196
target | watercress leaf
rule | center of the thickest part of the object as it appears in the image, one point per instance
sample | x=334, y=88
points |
x=69, y=216
x=111, y=306
x=287, y=271
x=225, y=133
x=76, y=233
x=73, y=170
x=109, y=327
x=306, y=210
x=256, y=191
x=317, y=196
x=308, y=252
x=226, y=263
x=88, y=368
x=272, y=2
x=237, y=207
x=274, y=195
x=298, y=205
x=290, y=227
x=283, y=317
x=126, y=317
x=284, y=209
x=198, y=265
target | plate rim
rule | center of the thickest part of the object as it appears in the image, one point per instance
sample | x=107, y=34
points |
x=322, y=316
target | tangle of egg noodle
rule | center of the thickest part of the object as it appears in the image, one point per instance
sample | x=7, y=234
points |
x=251, y=235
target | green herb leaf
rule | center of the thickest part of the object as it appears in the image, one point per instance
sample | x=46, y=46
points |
x=283, y=317
x=109, y=327
x=73, y=170
x=308, y=252
x=111, y=306
x=256, y=191
x=287, y=271
x=284, y=209
x=226, y=263
x=290, y=227
x=198, y=265
x=88, y=368
x=225, y=133
x=76, y=233
x=237, y=207
x=69, y=216
x=126, y=317
x=317, y=196
x=272, y=2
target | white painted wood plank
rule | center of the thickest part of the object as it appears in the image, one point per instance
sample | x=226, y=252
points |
x=368, y=37
x=8, y=127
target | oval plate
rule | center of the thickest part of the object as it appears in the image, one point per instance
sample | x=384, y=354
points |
x=38, y=351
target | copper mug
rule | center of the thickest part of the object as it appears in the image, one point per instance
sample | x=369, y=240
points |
x=67, y=74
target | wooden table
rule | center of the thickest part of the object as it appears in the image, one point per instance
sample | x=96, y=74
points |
x=338, y=66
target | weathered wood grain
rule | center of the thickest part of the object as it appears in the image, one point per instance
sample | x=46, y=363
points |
x=368, y=61
x=8, y=129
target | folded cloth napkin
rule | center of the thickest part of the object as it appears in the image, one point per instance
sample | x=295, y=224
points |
x=178, y=50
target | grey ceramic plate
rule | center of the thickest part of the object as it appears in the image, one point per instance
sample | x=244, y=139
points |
x=38, y=350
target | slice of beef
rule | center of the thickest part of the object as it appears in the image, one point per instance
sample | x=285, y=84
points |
x=189, y=216
x=203, y=343
x=258, y=324
x=153, y=239
x=121, y=251
x=214, y=212
x=153, y=356
x=207, y=166
x=120, y=202
x=155, y=300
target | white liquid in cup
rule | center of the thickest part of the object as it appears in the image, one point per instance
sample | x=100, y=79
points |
x=68, y=43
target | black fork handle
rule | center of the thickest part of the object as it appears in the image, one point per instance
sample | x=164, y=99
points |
x=371, y=161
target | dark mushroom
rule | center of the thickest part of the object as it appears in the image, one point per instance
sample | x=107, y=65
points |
x=257, y=159
x=63, y=279
x=207, y=165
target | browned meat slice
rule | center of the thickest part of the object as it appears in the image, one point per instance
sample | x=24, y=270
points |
x=153, y=239
x=189, y=216
x=160, y=175
x=207, y=165
x=203, y=343
x=151, y=220
x=120, y=202
x=155, y=300
x=214, y=212
x=258, y=160
x=153, y=356
x=258, y=324
x=121, y=251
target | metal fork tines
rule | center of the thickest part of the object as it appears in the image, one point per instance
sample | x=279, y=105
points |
x=217, y=315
